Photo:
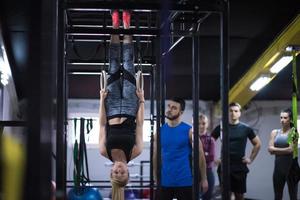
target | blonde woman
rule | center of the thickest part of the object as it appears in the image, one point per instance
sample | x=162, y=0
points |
x=208, y=144
x=121, y=113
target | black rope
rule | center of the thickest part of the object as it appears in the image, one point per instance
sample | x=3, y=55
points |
x=83, y=168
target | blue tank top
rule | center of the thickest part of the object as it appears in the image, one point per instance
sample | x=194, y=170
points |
x=176, y=153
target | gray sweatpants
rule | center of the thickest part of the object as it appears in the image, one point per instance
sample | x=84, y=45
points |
x=121, y=98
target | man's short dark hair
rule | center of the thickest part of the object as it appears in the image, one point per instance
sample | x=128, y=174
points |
x=235, y=104
x=180, y=101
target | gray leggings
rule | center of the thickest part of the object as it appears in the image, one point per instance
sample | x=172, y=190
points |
x=121, y=99
x=283, y=173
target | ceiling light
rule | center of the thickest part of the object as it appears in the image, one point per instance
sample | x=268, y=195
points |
x=280, y=64
x=289, y=48
x=260, y=83
x=4, y=79
x=4, y=65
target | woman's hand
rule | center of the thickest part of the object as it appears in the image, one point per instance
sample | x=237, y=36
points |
x=217, y=162
x=271, y=150
x=140, y=95
x=103, y=94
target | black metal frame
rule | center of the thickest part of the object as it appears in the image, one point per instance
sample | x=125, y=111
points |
x=224, y=90
x=61, y=145
x=162, y=33
x=40, y=80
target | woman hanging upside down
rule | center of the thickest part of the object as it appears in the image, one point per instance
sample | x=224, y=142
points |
x=121, y=113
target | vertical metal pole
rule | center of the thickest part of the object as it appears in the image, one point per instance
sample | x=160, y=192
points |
x=224, y=77
x=152, y=85
x=196, y=63
x=33, y=187
x=61, y=104
x=141, y=174
x=165, y=45
x=163, y=85
x=158, y=113
x=41, y=89
x=295, y=89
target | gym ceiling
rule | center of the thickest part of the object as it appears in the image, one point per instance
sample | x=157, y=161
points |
x=253, y=28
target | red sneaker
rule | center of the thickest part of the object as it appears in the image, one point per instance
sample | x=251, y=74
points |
x=115, y=19
x=126, y=19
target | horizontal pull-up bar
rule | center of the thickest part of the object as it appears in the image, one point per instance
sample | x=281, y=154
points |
x=94, y=31
x=13, y=123
x=97, y=71
x=200, y=6
x=109, y=31
x=99, y=39
x=99, y=62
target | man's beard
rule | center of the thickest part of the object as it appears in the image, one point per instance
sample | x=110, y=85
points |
x=171, y=118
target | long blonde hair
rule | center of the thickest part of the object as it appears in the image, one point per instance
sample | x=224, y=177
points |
x=118, y=186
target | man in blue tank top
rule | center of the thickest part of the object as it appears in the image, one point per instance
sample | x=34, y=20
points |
x=238, y=135
x=176, y=154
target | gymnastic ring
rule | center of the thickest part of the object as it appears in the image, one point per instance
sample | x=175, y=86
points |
x=103, y=80
x=139, y=80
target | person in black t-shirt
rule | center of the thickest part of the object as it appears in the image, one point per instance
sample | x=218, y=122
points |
x=238, y=135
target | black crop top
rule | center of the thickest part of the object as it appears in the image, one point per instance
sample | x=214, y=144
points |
x=121, y=136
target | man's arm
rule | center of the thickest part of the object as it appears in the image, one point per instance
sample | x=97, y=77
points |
x=202, y=167
x=256, y=147
x=216, y=132
x=202, y=163
x=154, y=158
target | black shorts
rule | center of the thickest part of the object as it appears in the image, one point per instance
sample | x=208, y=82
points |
x=238, y=177
x=180, y=193
x=238, y=182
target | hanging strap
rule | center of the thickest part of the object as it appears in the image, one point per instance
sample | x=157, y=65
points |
x=113, y=77
x=76, y=171
x=89, y=125
x=293, y=135
x=128, y=76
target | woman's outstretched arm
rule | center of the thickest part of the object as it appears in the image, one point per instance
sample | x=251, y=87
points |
x=102, y=124
x=138, y=148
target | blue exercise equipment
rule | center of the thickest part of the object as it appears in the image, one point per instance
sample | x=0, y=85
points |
x=84, y=193
x=130, y=195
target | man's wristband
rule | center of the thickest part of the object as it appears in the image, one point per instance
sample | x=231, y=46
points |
x=141, y=101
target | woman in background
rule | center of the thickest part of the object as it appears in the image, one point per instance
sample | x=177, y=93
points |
x=208, y=144
x=284, y=162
